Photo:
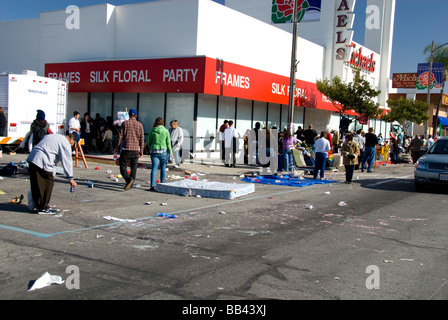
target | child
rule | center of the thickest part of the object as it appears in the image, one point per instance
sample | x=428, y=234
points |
x=107, y=141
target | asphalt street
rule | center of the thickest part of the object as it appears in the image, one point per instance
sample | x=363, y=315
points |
x=384, y=242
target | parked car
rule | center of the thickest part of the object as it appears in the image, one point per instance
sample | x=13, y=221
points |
x=432, y=168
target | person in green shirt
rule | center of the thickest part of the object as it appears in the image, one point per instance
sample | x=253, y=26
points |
x=159, y=143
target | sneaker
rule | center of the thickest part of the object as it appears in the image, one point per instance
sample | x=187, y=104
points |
x=152, y=189
x=47, y=211
x=129, y=185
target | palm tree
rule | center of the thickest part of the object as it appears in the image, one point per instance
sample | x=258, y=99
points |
x=438, y=54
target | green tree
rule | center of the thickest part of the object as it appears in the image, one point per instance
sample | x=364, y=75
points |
x=406, y=111
x=334, y=91
x=357, y=95
x=440, y=55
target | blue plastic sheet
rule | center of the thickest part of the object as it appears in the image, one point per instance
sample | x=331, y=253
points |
x=286, y=180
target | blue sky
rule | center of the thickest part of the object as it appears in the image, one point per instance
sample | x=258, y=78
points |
x=417, y=23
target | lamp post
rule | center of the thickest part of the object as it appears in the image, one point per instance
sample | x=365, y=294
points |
x=431, y=61
x=292, y=84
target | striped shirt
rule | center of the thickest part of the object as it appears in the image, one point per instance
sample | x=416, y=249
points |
x=132, y=135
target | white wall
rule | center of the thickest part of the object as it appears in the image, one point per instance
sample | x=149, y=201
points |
x=323, y=33
x=319, y=32
x=235, y=37
x=156, y=29
x=92, y=41
x=169, y=28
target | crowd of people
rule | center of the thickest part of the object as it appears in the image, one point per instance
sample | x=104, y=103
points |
x=262, y=147
x=124, y=137
x=359, y=150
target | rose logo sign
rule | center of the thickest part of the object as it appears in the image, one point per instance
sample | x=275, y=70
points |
x=423, y=81
x=283, y=10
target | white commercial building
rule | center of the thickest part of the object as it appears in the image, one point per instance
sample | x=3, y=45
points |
x=198, y=62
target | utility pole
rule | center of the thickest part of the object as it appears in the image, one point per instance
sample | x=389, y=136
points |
x=292, y=84
x=435, y=120
x=428, y=98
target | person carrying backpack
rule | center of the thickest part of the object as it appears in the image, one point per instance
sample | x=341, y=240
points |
x=39, y=128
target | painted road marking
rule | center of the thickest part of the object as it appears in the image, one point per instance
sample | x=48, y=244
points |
x=49, y=235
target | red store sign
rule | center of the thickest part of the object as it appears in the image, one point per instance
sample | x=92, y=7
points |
x=186, y=75
x=404, y=80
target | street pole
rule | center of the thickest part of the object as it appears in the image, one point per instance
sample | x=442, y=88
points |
x=435, y=120
x=428, y=98
x=292, y=84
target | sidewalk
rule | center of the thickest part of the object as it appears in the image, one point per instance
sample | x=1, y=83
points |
x=197, y=165
x=211, y=166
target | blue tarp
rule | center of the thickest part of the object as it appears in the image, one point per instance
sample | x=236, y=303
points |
x=286, y=180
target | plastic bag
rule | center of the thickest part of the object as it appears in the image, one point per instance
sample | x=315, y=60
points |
x=46, y=280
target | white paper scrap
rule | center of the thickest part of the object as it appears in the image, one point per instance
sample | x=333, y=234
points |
x=118, y=219
x=46, y=280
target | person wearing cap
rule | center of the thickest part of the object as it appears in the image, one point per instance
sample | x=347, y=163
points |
x=42, y=160
x=132, y=137
x=39, y=128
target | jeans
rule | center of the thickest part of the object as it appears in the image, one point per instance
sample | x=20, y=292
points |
x=368, y=158
x=131, y=157
x=321, y=159
x=394, y=157
x=176, y=157
x=156, y=159
x=289, y=159
x=77, y=136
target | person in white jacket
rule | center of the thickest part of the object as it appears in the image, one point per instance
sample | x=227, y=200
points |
x=53, y=148
x=230, y=136
x=177, y=140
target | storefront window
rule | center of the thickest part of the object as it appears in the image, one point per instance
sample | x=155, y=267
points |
x=124, y=102
x=151, y=106
x=226, y=109
x=100, y=103
x=284, y=122
x=274, y=116
x=298, y=118
x=244, y=116
x=206, y=123
x=260, y=113
x=180, y=107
